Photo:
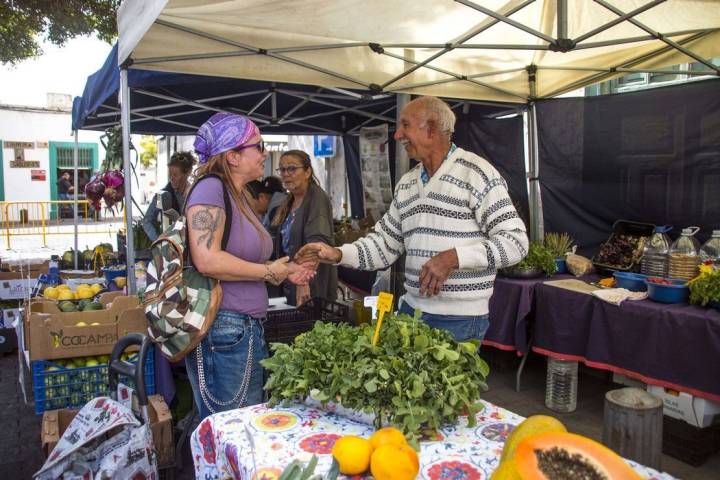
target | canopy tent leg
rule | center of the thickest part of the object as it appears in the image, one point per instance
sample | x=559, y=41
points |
x=75, y=204
x=535, y=202
x=125, y=122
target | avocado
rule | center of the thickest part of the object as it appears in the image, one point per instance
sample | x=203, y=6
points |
x=66, y=306
x=93, y=306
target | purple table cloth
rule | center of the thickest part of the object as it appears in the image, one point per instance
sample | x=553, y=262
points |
x=675, y=346
x=511, y=310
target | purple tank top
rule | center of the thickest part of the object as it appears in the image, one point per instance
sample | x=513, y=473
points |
x=248, y=297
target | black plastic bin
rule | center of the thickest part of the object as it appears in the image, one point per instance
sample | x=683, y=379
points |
x=638, y=231
x=284, y=325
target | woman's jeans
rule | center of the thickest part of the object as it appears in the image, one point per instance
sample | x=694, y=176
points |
x=226, y=352
x=461, y=327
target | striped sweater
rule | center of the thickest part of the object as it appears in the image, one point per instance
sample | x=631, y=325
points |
x=465, y=206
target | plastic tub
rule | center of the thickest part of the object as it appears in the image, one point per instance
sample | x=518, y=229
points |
x=676, y=292
x=561, y=265
x=112, y=273
x=635, y=282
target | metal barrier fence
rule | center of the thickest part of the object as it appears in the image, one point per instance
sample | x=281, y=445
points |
x=45, y=218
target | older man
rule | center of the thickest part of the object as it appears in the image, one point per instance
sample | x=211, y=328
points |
x=452, y=217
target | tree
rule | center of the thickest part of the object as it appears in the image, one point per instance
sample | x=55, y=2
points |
x=148, y=145
x=24, y=22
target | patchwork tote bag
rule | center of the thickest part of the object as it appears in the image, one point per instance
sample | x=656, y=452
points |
x=180, y=302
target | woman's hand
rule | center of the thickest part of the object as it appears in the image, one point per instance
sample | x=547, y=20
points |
x=301, y=274
x=302, y=294
x=277, y=271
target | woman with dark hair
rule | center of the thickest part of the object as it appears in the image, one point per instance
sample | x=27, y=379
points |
x=224, y=370
x=305, y=216
x=179, y=169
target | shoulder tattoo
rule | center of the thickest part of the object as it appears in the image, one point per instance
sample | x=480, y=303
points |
x=206, y=221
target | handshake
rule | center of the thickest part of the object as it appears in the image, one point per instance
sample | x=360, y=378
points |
x=303, y=266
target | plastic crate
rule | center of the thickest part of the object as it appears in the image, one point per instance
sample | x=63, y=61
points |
x=637, y=230
x=283, y=326
x=73, y=387
x=687, y=443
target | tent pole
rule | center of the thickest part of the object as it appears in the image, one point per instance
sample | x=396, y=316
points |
x=402, y=162
x=536, y=216
x=75, y=204
x=125, y=122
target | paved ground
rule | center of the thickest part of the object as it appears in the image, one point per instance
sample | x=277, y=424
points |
x=20, y=433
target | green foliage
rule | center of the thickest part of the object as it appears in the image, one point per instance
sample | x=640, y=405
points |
x=24, y=22
x=415, y=377
x=148, y=145
x=558, y=244
x=538, y=257
x=705, y=288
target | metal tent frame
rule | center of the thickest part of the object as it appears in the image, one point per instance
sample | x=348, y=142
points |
x=653, y=47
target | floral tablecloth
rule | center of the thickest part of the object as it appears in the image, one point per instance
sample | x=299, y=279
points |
x=255, y=443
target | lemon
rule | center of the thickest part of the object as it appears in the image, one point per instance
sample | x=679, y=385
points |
x=63, y=287
x=120, y=281
x=352, y=454
x=393, y=462
x=50, y=292
x=84, y=293
x=65, y=294
x=95, y=287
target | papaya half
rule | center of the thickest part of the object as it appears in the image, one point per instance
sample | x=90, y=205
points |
x=567, y=456
x=530, y=426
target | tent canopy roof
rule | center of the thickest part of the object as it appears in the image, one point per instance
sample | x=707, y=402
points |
x=177, y=104
x=467, y=49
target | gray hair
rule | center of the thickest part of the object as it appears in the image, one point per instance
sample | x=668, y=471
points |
x=435, y=109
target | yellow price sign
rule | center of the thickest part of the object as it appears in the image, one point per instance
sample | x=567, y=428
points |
x=384, y=305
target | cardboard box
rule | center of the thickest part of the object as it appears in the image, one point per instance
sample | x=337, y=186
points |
x=13, y=286
x=683, y=406
x=51, y=334
x=55, y=422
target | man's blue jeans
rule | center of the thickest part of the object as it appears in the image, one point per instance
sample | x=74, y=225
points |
x=461, y=327
x=225, y=356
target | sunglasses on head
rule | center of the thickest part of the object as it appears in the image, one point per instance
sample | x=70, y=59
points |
x=260, y=146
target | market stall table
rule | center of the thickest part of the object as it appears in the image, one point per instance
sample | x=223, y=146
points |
x=672, y=345
x=257, y=442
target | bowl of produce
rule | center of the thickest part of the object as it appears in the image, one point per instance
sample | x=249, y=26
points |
x=537, y=261
x=635, y=282
x=667, y=290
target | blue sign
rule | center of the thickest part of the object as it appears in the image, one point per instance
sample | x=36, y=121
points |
x=323, y=145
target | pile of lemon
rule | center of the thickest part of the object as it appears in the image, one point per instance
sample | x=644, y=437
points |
x=387, y=455
x=64, y=292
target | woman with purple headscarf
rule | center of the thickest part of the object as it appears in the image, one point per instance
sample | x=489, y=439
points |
x=224, y=370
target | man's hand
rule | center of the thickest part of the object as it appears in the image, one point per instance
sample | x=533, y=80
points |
x=302, y=294
x=301, y=274
x=436, y=271
x=318, y=252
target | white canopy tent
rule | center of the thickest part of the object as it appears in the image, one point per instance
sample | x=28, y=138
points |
x=490, y=50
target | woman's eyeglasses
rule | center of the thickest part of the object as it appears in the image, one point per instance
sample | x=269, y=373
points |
x=260, y=146
x=289, y=170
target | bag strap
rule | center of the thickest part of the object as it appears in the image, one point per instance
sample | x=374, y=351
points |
x=228, y=207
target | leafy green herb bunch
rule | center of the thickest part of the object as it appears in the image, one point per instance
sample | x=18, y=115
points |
x=538, y=257
x=416, y=377
x=705, y=288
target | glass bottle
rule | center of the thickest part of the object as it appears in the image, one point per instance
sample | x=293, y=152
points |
x=683, y=257
x=654, y=261
x=710, y=250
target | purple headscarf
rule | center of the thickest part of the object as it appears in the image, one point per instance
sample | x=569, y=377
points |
x=223, y=132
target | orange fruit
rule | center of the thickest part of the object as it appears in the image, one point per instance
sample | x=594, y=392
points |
x=394, y=462
x=387, y=435
x=352, y=454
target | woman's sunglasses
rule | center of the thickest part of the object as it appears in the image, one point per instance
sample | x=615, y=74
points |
x=260, y=146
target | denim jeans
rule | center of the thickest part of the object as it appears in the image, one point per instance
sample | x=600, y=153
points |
x=225, y=356
x=461, y=327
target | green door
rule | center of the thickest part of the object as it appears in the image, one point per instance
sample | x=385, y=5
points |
x=62, y=158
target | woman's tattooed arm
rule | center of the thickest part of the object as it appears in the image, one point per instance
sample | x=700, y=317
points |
x=206, y=222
